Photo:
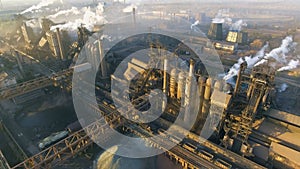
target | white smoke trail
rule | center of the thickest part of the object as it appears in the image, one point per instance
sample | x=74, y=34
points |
x=129, y=8
x=86, y=16
x=68, y=12
x=279, y=54
x=293, y=64
x=222, y=17
x=238, y=25
x=251, y=61
x=195, y=24
x=43, y=3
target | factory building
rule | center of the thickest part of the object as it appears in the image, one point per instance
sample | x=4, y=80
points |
x=216, y=31
x=225, y=46
x=237, y=37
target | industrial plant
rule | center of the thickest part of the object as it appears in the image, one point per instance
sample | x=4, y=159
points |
x=212, y=85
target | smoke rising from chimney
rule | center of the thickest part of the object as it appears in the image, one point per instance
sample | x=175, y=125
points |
x=279, y=54
x=293, y=64
x=86, y=15
x=251, y=61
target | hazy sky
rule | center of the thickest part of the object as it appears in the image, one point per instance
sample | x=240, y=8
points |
x=16, y=3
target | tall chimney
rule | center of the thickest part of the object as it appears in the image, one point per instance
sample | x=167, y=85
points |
x=188, y=91
x=165, y=85
x=133, y=15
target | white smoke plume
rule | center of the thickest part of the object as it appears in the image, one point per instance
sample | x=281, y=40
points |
x=195, y=24
x=129, y=8
x=279, y=54
x=251, y=61
x=72, y=11
x=43, y=3
x=86, y=15
x=293, y=64
x=223, y=17
x=238, y=25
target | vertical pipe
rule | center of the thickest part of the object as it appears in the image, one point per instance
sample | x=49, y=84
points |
x=165, y=84
x=188, y=91
x=102, y=59
x=61, y=52
x=134, y=17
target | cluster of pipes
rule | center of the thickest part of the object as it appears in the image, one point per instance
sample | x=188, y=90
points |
x=193, y=94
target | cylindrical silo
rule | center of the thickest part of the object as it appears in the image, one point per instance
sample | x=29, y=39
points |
x=207, y=95
x=173, y=83
x=181, y=86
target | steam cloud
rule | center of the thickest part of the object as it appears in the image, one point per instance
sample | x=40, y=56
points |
x=43, y=3
x=278, y=54
x=237, y=26
x=222, y=17
x=73, y=11
x=195, y=24
x=86, y=16
x=251, y=61
x=293, y=64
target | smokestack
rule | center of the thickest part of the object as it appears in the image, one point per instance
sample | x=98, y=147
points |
x=188, y=91
x=60, y=44
x=165, y=85
x=134, y=17
x=173, y=82
x=103, y=63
